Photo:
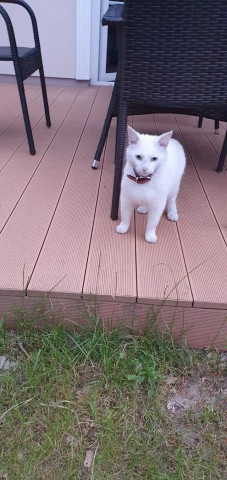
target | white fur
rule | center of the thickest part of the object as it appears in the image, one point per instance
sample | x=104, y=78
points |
x=161, y=191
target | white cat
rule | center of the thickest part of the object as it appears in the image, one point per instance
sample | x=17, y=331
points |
x=151, y=179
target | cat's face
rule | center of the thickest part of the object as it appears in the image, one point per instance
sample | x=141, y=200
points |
x=146, y=152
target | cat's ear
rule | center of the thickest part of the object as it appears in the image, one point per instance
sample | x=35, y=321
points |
x=133, y=136
x=164, y=139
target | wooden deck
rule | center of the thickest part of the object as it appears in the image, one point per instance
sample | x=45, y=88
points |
x=57, y=241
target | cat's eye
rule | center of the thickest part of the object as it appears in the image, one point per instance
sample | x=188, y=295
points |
x=138, y=157
x=153, y=159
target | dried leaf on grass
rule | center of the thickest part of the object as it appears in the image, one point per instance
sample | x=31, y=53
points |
x=88, y=459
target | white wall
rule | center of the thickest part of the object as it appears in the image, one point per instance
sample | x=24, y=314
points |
x=57, y=30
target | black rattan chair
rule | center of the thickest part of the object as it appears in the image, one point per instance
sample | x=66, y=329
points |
x=26, y=61
x=172, y=59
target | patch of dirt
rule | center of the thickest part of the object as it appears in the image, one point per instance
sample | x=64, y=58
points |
x=206, y=387
x=197, y=402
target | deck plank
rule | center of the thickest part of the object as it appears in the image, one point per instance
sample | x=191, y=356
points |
x=203, y=244
x=111, y=270
x=161, y=271
x=21, y=166
x=23, y=235
x=13, y=111
x=14, y=138
x=66, y=247
x=215, y=139
x=8, y=94
x=203, y=151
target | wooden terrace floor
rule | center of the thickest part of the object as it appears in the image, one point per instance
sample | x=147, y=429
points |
x=58, y=243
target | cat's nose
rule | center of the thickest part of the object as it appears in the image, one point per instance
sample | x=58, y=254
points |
x=144, y=169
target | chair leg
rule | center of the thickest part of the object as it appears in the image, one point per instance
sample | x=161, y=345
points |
x=222, y=155
x=216, y=126
x=44, y=92
x=200, y=122
x=27, y=123
x=119, y=154
x=111, y=112
x=102, y=140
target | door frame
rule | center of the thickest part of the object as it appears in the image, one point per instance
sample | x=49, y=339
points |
x=91, y=42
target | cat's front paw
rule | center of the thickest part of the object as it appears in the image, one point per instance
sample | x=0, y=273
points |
x=141, y=210
x=121, y=228
x=150, y=237
x=172, y=216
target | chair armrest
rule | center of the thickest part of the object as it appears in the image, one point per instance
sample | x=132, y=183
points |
x=114, y=15
x=30, y=12
x=10, y=30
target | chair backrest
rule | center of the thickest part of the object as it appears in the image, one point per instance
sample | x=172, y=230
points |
x=175, y=51
x=9, y=24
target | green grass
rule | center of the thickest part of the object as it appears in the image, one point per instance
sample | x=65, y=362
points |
x=104, y=391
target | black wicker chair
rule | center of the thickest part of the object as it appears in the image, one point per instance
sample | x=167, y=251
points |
x=172, y=59
x=26, y=61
